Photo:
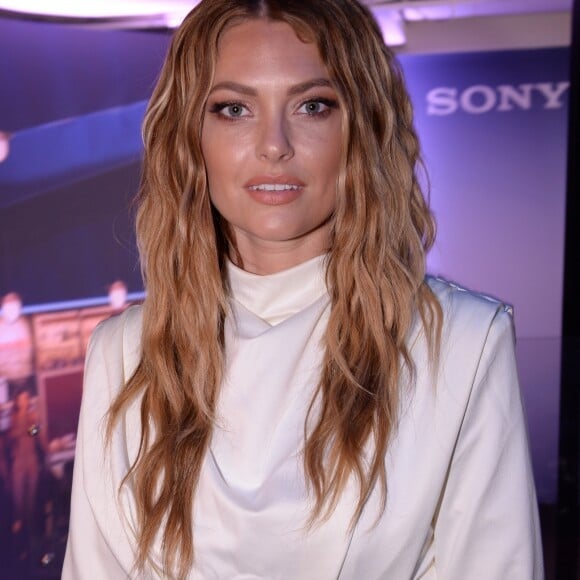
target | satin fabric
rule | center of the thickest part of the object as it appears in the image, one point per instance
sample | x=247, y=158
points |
x=461, y=502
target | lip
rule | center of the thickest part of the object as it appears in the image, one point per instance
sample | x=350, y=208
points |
x=272, y=196
x=275, y=180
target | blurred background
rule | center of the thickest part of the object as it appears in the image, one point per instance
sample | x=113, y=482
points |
x=492, y=84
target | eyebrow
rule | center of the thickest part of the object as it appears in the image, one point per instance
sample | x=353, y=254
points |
x=292, y=91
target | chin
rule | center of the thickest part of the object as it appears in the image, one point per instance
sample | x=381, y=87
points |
x=277, y=232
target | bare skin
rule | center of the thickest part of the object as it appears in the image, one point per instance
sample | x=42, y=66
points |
x=271, y=141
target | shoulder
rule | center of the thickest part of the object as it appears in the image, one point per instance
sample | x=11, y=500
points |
x=126, y=324
x=114, y=349
x=458, y=300
x=465, y=310
x=473, y=324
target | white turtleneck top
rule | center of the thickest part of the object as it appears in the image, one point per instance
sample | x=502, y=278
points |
x=461, y=501
x=276, y=297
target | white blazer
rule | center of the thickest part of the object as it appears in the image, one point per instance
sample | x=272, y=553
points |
x=461, y=503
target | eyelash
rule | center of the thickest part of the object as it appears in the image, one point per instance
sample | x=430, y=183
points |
x=330, y=104
x=219, y=107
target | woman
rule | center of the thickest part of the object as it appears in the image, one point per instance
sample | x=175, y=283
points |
x=294, y=399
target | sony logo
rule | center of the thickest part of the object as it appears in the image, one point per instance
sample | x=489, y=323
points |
x=479, y=99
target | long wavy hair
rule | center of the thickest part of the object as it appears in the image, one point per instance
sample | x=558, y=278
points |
x=381, y=231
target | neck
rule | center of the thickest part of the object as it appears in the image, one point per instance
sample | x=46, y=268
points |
x=264, y=258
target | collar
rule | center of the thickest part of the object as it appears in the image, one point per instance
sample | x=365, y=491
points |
x=276, y=297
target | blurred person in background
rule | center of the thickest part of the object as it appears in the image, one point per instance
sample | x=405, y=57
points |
x=16, y=347
x=118, y=295
x=27, y=446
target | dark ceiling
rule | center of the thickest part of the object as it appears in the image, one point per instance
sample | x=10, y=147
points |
x=50, y=72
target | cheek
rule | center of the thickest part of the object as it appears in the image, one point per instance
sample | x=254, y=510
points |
x=323, y=150
x=223, y=157
x=330, y=168
x=214, y=165
x=218, y=179
x=207, y=151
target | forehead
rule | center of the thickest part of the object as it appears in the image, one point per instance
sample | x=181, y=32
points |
x=262, y=48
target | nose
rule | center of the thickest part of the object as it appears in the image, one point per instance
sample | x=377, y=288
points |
x=274, y=142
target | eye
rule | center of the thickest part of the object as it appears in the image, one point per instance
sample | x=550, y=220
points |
x=317, y=107
x=230, y=110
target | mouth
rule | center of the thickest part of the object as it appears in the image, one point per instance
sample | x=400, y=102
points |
x=274, y=182
x=274, y=187
x=274, y=190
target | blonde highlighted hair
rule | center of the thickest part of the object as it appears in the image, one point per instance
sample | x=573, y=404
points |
x=381, y=231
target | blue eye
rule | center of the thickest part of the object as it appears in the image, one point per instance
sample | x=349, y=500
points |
x=317, y=107
x=314, y=107
x=234, y=110
x=230, y=110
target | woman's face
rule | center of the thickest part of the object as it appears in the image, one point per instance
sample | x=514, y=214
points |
x=271, y=141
